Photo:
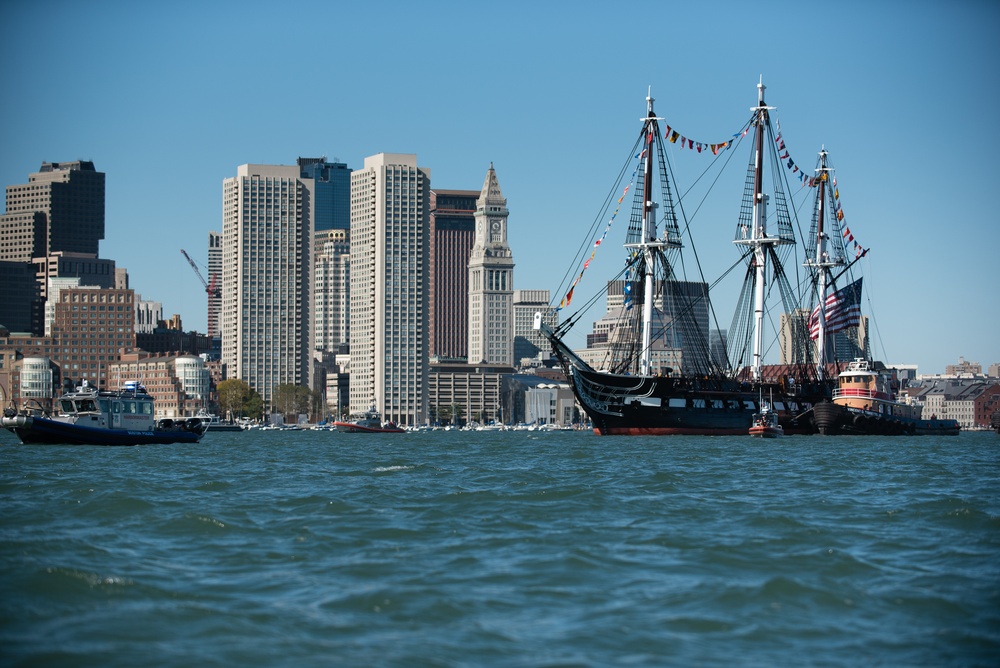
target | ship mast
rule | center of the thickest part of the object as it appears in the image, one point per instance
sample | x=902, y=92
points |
x=648, y=235
x=758, y=241
x=649, y=246
x=822, y=260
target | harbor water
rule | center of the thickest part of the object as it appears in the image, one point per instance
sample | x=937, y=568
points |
x=312, y=548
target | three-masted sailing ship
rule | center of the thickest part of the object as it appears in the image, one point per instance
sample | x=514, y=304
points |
x=660, y=373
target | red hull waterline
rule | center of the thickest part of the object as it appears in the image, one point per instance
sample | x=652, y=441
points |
x=349, y=428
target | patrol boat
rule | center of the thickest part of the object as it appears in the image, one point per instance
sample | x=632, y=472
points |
x=87, y=416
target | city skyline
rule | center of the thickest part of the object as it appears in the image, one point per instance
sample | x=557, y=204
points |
x=902, y=122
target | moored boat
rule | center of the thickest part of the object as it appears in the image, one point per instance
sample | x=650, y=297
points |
x=765, y=424
x=86, y=416
x=214, y=423
x=370, y=422
x=864, y=404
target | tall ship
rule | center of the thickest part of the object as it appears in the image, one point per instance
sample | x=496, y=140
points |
x=659, y=373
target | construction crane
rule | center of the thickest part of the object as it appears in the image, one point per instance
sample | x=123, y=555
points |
x=213, y=289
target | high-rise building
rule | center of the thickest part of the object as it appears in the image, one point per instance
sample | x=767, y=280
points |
x=214, y=282
x=717, y=341
x=389, y=257
x=452, y=228
x=19, y=307
x=331, y=202
x=266, y=318
x=331, y=285
x=22, y=235
x=491, y=280
x=70, y=198
x=797, y=347
x=794, y=338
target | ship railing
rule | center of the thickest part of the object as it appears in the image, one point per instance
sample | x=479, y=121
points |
x=856, y=393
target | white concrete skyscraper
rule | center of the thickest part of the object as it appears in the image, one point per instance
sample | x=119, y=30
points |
x=390, y=208
x=266, y=320
x=491, y=280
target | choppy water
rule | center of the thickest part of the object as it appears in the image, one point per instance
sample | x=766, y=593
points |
x=513, y=549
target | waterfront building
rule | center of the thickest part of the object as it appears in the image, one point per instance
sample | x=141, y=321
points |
x=388, y=304
x=549, y=403
x=25, y=372
x=461, y=393
x=180, y=384
x=491, y=280
x=86, y=329
x=61, y=208
x=986, y=404
x=266, y=317
x=452, y=227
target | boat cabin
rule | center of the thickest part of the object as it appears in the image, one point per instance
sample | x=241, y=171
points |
x=131, y=409
x=859, y=388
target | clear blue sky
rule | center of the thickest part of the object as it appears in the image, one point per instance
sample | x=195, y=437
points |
x=169, y=98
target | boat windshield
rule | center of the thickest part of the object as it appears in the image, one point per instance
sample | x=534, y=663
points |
x=78, y=406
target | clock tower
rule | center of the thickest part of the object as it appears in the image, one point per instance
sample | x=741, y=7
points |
x=491, y=280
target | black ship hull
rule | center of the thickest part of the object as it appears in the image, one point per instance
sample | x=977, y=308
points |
x=835, y=420
x=656, y=405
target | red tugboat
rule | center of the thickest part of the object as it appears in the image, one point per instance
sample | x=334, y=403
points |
x=863, y=404
x=369, y=423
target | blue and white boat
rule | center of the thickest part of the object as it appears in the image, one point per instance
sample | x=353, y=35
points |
x=86, y=416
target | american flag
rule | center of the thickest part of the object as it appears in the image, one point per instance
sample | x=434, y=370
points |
x=843, y=310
